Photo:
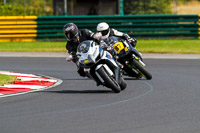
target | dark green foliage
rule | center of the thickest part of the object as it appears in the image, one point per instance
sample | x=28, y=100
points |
x=147, y=6
x=26, y=8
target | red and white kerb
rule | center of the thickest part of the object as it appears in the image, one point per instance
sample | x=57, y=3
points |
x=26, y=83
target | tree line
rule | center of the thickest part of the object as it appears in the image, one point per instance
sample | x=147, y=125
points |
x=147, y=7
x=45, y=7
x=26, y=7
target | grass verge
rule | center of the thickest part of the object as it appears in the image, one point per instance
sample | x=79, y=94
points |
x=169, y=46
x=33, y=46
x=6, y=79
x=144, y=46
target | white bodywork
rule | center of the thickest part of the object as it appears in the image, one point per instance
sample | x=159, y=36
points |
x=91, y=56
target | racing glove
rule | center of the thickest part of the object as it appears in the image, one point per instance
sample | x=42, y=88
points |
x=132, y=41
x=69, y=58
x=97, y=36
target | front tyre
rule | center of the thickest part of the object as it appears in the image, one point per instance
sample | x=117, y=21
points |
x=142, y=70
x=110, y=82
x=122, y=84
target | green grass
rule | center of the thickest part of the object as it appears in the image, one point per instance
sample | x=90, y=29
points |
x=6, y=79
x=144, y=46
x=169, y=46
x=33, y=46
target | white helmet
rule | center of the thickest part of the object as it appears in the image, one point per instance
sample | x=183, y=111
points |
x=104, y=29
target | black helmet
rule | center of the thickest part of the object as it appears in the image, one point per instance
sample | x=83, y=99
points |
x=71, y=32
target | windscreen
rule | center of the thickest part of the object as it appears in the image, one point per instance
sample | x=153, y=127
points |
x=84, y=47
x=112, y=40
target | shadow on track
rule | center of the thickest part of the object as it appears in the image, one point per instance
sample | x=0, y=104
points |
x=78, y=79
x=129, y=78
x=70, y=91
x=84, y=91
x=81, y=91
x=125, y=78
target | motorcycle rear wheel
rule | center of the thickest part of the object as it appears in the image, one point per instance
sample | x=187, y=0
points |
x=110, y=82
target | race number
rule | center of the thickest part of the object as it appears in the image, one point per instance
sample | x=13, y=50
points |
x=118, y=47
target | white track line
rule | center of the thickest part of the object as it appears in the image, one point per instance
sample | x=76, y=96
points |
x=23, y=86
x=40, y=79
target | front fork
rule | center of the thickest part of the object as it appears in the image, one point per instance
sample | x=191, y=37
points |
x=139, y=60
x=136, y=53
x=116, y=73
x=113, y=64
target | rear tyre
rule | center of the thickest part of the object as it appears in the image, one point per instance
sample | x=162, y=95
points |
x=110, y=82
x=142, y=70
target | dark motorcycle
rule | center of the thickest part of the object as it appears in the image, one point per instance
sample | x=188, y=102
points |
x=129, y=57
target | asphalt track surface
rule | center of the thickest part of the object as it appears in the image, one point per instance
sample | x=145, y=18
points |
x=169, y=103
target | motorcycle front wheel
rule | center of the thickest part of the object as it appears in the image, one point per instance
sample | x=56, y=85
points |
x=141, y=70
x=123, y=84
x=110, y=82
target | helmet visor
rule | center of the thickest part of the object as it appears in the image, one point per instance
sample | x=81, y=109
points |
x=104, y=32
x=71, y=36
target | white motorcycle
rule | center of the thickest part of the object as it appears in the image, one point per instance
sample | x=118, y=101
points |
x=100, y=66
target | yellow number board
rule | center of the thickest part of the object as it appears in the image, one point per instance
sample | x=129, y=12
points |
x=118, y=47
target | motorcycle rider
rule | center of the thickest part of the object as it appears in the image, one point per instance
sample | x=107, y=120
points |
x=105, y=32
x=74, y=38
